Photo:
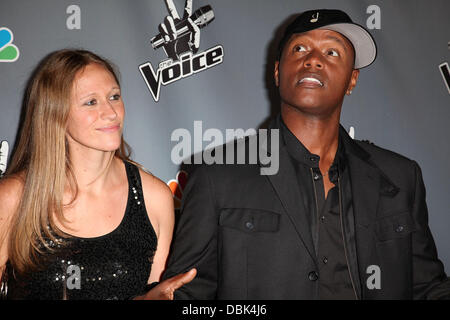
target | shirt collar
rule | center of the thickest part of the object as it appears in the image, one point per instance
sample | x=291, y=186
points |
x=301, y=154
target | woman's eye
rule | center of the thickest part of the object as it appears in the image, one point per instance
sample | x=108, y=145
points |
x=299, y=48
x=333, y=53
x=115, y=97
x=91, y=102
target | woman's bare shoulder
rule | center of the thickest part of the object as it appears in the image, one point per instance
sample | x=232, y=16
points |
x=154, y=188
x=159, y=203
x=11, y=188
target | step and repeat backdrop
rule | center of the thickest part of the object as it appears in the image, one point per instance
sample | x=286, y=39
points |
x=217, y=82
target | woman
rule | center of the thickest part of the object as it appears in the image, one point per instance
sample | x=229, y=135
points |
x=78, y=218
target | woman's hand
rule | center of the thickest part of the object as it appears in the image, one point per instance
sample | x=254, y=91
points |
x=165, y=290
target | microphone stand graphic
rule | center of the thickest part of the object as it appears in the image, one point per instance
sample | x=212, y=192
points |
x=201, y=17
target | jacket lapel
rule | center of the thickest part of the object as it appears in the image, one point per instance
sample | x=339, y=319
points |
x=288, y=192
x=365, y=189
x=366, y=186
x=365, y=181
x=368, y=182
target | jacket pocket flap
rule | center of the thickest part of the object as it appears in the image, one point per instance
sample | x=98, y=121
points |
x=394, y=226
x=249, y=220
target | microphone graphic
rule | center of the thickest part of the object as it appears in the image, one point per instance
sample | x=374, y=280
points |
x=201, y=17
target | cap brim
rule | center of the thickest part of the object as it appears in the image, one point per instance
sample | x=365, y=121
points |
x=365, y=48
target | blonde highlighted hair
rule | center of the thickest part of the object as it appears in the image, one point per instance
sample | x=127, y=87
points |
x=41, y=155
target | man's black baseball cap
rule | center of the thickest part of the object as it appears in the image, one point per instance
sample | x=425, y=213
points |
x=339, y=21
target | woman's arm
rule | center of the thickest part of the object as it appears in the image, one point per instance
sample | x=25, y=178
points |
x=159, y=204
x=10, y=193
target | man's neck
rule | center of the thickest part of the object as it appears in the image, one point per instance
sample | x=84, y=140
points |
x=319, y=134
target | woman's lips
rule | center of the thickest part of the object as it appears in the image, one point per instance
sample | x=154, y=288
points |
x=110, y=128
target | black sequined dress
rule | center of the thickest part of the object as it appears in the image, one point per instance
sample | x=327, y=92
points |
x=113, y=266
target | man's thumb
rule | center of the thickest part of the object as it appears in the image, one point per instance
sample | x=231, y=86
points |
x=184, y=278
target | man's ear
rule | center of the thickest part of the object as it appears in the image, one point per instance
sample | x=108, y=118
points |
x=276, y=73
x=353, y=81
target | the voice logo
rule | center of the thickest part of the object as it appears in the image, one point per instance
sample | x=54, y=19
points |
x=180, y=39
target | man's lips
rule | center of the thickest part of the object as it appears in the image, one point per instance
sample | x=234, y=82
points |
x=112, y=128
x=310, y=82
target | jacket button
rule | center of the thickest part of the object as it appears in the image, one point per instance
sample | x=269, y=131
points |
x=399, y=229
x=313, y=276
x=249, y=225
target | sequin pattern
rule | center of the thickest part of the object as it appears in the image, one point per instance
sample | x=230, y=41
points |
x=114, y=266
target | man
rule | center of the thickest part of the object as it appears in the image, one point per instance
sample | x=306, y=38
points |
x=341, y=219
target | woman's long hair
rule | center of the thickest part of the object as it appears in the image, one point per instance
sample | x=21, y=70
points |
x=41, y=155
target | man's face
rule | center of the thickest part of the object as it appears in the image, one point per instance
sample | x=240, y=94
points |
x=315, y=71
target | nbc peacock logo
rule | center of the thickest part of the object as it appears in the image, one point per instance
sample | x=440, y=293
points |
x=8, y=51
x=177, y=186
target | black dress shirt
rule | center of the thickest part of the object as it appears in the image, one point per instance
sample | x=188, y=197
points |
x=324, y=214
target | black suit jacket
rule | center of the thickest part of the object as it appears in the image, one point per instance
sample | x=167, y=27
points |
x=245, y=234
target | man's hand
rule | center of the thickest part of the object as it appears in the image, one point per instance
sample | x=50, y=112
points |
x=165, y=290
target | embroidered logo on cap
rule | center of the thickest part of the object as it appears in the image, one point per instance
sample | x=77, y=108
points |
x=314, y=19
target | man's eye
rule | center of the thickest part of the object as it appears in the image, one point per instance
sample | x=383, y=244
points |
x=333, y=53
x=299, y=48
x=115, y=97
x=91, y=102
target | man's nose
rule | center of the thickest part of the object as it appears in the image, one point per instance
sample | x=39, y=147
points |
x=313, y=60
